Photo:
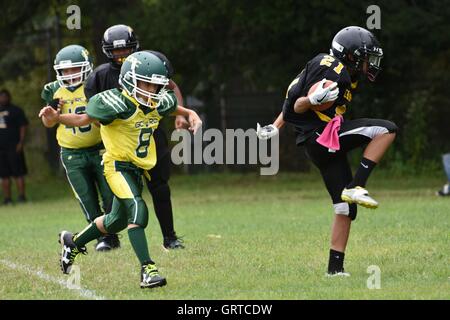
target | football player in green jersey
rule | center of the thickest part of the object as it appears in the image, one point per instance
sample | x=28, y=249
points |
x=81, y=147
x=128, y=119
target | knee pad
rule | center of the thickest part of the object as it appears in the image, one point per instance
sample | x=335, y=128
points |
x=114, y=223
x=346, y=209
x=137, y=211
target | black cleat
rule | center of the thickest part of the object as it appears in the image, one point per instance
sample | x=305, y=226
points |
x=173, y=242
x=69, y=251
x=150, y=277
x=108, y=242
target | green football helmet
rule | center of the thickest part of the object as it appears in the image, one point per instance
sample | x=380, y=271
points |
x=73, y=56
x=146, y=67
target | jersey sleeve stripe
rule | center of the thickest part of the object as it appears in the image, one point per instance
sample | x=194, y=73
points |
x=116, y=100
x=121, y=104
x=108, y=101
x=171, y=99
x=165, y=99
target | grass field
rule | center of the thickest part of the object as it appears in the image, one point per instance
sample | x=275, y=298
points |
x=247, y=237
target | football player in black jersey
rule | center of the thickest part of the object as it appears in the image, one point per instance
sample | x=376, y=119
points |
x=355, y=54
x=119, y=41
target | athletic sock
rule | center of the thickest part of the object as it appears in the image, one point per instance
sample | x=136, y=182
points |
x=336, y=262
x=90, y=233
x=362, y=174
x=139, y=243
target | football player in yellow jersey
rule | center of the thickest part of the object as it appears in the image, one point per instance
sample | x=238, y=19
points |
x=128, y=119
x=81, y=147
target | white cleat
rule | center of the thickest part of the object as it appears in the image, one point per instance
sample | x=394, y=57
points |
x=360, y=196
x=338, y=274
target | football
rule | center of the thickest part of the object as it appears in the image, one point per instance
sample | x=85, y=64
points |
x=324, y=106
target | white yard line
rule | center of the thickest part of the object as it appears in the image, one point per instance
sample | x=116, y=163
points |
x=85, y=293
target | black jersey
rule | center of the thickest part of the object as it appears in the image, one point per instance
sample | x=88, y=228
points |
x=106, y=76
x=320, y=67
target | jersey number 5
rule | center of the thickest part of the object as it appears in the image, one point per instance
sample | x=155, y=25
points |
x=144, y=142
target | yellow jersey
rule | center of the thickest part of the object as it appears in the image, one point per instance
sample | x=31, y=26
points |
x=74, y=101
x=127, y=127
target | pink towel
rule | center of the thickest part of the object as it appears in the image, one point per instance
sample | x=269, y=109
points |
x=329, y=137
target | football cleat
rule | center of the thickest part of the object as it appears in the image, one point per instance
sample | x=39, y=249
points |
x=341, y=274
x=360, y=196
x=69, y=251
x=108, y=242
x=150, y=277
x=173, y=242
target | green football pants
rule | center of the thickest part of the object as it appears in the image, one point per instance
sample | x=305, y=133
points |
x=84, y=172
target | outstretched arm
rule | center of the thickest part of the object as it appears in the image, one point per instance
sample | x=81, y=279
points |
x=180, y=121
x=47, y=117
x=279, y=121
x=50, y=117
x=270, y=130
x=194, y=120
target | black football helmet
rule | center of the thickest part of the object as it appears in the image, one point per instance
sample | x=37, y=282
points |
x=118, y=37
x=353, y=46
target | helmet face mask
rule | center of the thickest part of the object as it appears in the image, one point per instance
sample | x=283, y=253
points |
x=145, y=97
x=144, y=68
x=119, y=55
x=374, y=62
x=71, y=57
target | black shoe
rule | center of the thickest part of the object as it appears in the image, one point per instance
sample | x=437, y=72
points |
x=7, y=201
x=108, y=242
x=69, y=251
x=102, y=245
x=22, y=199
x=150, y=277
x=173, y=242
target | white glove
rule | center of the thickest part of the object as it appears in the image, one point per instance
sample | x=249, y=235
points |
x=323, y=95
x=266, y=132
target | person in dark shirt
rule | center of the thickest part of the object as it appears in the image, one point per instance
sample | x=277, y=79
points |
x=118, y=42
x=327, y=138
x=13, y=124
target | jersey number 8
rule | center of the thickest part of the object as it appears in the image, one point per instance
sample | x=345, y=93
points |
x=144, y=142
